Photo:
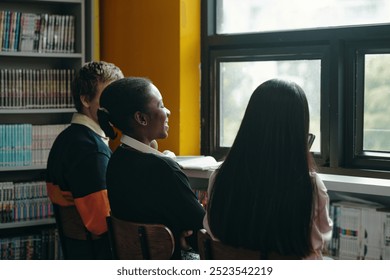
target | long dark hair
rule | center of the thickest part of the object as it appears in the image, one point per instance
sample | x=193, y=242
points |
x=119, y=102
x=262, y=197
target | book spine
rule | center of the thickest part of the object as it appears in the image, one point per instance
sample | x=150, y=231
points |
x=6, y=31
x=2, y=19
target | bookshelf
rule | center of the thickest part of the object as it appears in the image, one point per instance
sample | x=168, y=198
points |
x=42, y=44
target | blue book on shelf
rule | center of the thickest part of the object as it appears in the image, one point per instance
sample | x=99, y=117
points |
x=27, y=143
x=2, y=143
x=15, y=47
x=6, y=30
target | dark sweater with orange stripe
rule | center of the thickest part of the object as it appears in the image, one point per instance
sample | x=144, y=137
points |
x=76, y=172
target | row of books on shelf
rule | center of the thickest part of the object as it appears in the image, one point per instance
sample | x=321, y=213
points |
x=26, y=144
x=31, y=32
x=22, y=190
x=24, y=201
x=36, y=88
x=202, y=196
x=361, y=231
x=41, y=246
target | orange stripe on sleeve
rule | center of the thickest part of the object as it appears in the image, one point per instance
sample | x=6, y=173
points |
x=93, y=209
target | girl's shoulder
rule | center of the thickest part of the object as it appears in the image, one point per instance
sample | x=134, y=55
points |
x=318, y=181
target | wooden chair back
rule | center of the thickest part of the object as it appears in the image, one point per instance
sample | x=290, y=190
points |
x=138, y=241
x=70, y=225
x=210, y=249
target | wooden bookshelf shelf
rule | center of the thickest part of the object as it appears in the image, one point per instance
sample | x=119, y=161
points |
x=36, y=111
x=22, y=168
x=31, y=223
x=40, y=55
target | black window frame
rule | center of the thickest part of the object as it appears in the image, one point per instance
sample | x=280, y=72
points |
x=356, y=156
x=341, y=50
x=310, y=52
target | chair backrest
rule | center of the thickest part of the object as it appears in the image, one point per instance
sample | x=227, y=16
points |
x=70, y=225
x=137, y=241
x=70, y=222
x=210, y=249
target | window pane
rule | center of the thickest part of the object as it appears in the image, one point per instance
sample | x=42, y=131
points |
x=376, y=132
x=239, y=79
x=270, y=15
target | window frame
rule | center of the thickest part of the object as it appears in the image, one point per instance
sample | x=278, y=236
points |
x=265, y=54
x=337, y=47
x=356, y=156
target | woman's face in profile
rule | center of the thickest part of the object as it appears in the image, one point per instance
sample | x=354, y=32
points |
x=158, y=115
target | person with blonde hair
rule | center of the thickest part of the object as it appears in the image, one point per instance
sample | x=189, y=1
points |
x=76, y=168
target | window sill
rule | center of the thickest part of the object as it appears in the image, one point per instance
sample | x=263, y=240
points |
x=358, y=185
x=361, y=186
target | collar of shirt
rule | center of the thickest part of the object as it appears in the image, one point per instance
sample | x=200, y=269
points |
x=139, y=146
x=90, y=123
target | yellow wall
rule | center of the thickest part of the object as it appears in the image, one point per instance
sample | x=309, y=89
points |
x=189, y=77
x=159, y=40
x=95, y=30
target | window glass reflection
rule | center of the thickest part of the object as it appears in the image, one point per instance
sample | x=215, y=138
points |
x=239, y=79
x=376, y=131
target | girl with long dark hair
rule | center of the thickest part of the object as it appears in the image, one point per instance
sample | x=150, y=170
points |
x=266, y=195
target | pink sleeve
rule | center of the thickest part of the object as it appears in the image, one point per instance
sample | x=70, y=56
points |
x=205, y=221
x=324, y=222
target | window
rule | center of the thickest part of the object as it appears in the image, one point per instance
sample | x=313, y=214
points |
x=272, y=15
x=376, y=122
x=371, y=99
x=337, y=51
x=240, y=78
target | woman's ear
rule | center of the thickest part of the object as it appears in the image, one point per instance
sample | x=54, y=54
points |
x=140, y=118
